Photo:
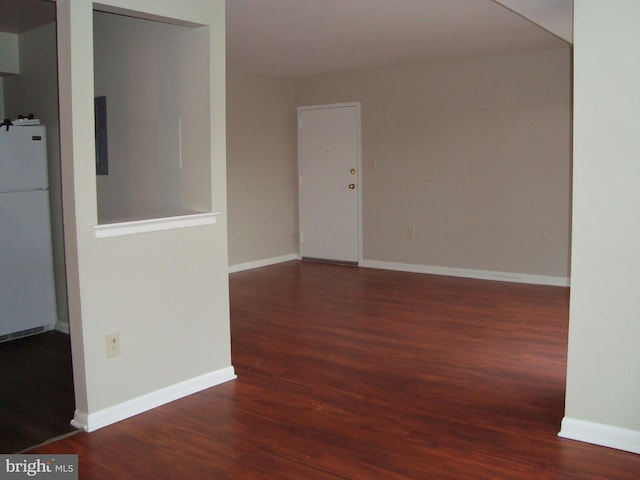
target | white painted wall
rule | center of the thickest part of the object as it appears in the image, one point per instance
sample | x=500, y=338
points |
x=9, y=54
x=261, y=168
x=35, y=90
x=603, y=374
x=2, y=116
x=475, y=153
x=165, y=292
x=9, y=62
x=152, y=74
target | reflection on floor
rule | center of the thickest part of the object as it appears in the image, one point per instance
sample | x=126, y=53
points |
x=36, y=399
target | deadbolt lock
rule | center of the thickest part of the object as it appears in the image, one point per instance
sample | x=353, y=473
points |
x=353, y=170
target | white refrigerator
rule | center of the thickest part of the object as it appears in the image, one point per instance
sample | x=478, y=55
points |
x=27, y=292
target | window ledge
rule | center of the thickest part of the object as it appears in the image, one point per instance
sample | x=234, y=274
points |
x=154, y=224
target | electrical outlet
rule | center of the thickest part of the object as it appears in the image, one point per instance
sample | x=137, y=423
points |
x=112, y=342
x=411, y=231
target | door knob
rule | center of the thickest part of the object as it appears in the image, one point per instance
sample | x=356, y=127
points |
x=353, y=171
x=352, y=186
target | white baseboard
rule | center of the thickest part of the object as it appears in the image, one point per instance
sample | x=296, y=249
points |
x=429, y=269
x=467, y=273
x=263, y=263
x=90, y=422
x=600, y=434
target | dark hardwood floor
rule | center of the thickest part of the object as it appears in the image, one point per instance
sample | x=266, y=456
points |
x=36, y=401
x=352, y=373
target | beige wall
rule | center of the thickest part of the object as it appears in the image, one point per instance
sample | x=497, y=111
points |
x=149, y=72
x=261, y=168
x=474, y=153
x=165, y=292
x=35, y=90
x=603, y=376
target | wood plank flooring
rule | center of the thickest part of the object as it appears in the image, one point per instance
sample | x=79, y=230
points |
x=353, y=373
x=36, y=400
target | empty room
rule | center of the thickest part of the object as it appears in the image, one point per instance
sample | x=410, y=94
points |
x=392, y=239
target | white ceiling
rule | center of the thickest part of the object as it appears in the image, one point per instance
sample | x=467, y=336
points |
x=304, y=37
x=554, y=15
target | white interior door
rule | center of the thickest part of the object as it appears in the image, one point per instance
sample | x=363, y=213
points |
x=329, y=169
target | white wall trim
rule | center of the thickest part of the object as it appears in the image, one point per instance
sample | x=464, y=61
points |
x=600, y=434
x=265, y=262
x=154, y=224
x=90, y=422
x=467, y=273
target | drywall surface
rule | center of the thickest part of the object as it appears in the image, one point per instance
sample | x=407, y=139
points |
x=474, y=154
x=261, y=168
x=155, y=79
x=603, y=384
x=165, y=292
x=9, y=54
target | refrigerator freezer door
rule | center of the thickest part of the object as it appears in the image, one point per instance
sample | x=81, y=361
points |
x=27, y=293
x=23, y=158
